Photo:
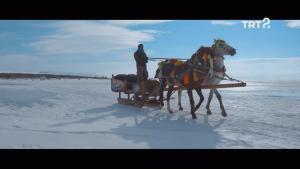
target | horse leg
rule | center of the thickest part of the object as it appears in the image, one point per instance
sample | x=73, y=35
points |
x=199, y=91
x=190, y=93
x=211, y=92
x=161, y=92
x=179, y=99
x=171, y=87
x=224, y=114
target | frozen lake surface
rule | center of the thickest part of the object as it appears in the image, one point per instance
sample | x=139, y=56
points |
x=85, y=114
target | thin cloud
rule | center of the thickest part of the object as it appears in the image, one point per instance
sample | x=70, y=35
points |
x=227, y=23
x=137, y=22
x=293, y=24
x=91, y=37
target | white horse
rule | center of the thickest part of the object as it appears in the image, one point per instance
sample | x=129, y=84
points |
x=221, y=49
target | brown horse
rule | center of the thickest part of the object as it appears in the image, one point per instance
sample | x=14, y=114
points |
x=194, y=72
x=182, y=76
x=165, y=71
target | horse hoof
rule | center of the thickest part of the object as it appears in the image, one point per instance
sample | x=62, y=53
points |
x=170, y=111
x=208, y=112
x=194, y=116
x=224, y=114
x=180, y=108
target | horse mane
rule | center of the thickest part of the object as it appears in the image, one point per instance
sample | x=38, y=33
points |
x=202, y=51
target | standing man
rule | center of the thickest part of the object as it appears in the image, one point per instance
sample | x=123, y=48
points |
x=141, y=64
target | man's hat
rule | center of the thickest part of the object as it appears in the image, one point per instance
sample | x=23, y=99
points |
x=140, y=46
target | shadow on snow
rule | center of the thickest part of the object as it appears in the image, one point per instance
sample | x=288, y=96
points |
x=158, y=129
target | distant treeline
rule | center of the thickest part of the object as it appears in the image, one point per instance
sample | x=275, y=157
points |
x=45, y=76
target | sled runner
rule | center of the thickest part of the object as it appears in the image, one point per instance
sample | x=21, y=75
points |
x=127, y=85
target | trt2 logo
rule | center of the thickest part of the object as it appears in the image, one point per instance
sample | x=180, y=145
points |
x=259, y=24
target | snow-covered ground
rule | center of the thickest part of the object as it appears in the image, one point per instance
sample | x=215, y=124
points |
x=85, y=114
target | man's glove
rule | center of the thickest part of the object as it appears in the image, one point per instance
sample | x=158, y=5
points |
x=146, y=59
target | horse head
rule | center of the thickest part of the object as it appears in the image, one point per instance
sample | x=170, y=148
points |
x=221, y=48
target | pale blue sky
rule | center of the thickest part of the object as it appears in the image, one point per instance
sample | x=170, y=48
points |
x=105, y=47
